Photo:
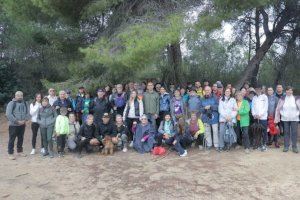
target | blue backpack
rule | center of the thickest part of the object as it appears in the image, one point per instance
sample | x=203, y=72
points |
x=120, y=101
x=230, y=135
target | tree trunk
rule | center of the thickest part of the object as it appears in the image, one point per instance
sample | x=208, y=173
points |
x=263, y=49
x=173, y=73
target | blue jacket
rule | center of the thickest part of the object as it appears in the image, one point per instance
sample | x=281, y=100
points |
x=164, y=102
x=194, y=103
x=141, y=131
x=210, y=116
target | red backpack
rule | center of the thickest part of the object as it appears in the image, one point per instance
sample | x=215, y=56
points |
x=159, y=151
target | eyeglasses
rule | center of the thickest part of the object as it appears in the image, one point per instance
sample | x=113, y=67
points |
x=144, y=119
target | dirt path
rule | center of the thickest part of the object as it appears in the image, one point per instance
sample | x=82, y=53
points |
x=200, y=175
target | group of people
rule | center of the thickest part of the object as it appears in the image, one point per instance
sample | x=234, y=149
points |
x=145, y=116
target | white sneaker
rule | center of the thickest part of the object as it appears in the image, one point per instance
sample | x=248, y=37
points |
x=131, y=144
x=184, y=154
x=32, y=152
x=124, y=150
x=42, y=150
x=200, y=147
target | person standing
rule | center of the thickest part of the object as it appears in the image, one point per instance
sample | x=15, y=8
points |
x=61, y=131
x=272, y=104
x=34, y=109
x=210, y=117
x=46, y=119
x=134, y=109
x=151, y=104
x=228, y=111
x=51, y=96
x=177, y=106
x=260, y=113
x=243, y=121
x=118, y=100
x=62, y=102
x=288, y=111
x=164, y=104
x=17, y=113
x=79, y=103
x=100, y=106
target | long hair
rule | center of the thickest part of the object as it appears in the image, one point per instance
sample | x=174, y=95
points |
x=34, y=101
x=181, y=126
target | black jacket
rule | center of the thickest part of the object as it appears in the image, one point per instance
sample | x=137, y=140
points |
x=87, y=131
x=106, y=129
x=100, y=106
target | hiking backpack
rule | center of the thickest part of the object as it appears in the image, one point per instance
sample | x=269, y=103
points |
x=230, y=135
x=120, y=101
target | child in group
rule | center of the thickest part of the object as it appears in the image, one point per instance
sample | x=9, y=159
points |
x=86, y=106
x=61, y=130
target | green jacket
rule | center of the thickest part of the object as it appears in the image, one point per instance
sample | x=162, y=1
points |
x=244, y=113
x=62, y=125
x=151, y=103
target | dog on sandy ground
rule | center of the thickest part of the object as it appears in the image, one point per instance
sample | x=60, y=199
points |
x=108, y=145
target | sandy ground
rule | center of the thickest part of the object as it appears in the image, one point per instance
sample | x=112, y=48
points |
x=200, y=175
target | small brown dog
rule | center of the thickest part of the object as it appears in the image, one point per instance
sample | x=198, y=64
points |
x=108, y=145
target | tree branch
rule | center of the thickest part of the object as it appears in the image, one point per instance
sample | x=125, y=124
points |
x=265, y=21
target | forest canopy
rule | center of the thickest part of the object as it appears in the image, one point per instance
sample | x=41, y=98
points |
x=66, y=44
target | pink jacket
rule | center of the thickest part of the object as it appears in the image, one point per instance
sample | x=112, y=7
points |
x=280, y=105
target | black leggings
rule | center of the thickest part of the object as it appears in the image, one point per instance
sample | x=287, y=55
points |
x=61, y=143
x=35, y=127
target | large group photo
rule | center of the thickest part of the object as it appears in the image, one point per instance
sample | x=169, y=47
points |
x=149, y=99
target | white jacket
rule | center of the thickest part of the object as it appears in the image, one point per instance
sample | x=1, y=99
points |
x=227, y=108
x=34, y=110
x=260, y=106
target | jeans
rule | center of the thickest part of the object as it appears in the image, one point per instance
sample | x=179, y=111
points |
x=47, y=138
x=264, y=131
x=290, y=133
x=61, y=143
x=242, y=134
x=35, y=127
x=208, y=135
x=16, y=132
x=177, y=145
x=124, y=141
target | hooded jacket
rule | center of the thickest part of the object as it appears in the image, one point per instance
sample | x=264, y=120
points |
x=46, y=116
x=17, y=111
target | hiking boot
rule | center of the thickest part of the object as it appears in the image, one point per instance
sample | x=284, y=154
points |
x=184, y=154
x=21, y=154
x=42, y=151
x=11, y=157
x=220, y=150
x=295, y=150
x=285, y=149
x=32, y=152
x=46, y=153
x=277, y=145
x=247, y=151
